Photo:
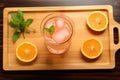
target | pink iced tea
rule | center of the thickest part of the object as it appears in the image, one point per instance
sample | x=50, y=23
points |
x=57, y=32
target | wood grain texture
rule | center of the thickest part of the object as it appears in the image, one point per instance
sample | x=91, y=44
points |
x=113, y=74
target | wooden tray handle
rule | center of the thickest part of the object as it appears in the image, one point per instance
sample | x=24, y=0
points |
x=116, y=33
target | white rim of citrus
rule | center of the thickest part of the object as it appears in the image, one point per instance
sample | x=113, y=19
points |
x=101, y=50
x=23, y=59
x=103, y=15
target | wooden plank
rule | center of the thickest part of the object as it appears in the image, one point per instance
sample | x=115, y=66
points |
x=73, y=59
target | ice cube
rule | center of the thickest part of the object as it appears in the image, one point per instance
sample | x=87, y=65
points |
x=60, y=23
x=61, y=35
x=49, y=23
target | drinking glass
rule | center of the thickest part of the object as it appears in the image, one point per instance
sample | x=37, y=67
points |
x=57, y=30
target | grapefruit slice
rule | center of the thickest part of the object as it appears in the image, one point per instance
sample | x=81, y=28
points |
x=97, y=21
x=92, y=48
x=26, y=51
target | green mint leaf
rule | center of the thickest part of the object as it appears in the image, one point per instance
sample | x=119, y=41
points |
x=20, y=16
x=12, y=24
x=51, y=29
x=16, y=35
x=20, y=13
x=19, y=22
x=21, y=19
x=22, y=27
x=47, y=29
x=28, y=22
x=16, y=19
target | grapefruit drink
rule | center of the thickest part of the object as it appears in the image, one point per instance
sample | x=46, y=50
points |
x=57, y=31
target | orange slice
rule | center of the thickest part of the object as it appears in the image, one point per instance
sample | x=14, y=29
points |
x=97, y=21
x=26, y=51
x=92, y=48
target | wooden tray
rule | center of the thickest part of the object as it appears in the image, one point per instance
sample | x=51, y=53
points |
x=73, y=59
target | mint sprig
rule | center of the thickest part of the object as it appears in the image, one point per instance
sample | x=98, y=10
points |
x=19, y=24
x=50, y=30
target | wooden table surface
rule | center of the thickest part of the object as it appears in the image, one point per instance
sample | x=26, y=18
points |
x=113, y=74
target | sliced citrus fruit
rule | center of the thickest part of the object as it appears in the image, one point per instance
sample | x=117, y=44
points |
x=97, y=21
x=92, y=48
x=26, y=51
